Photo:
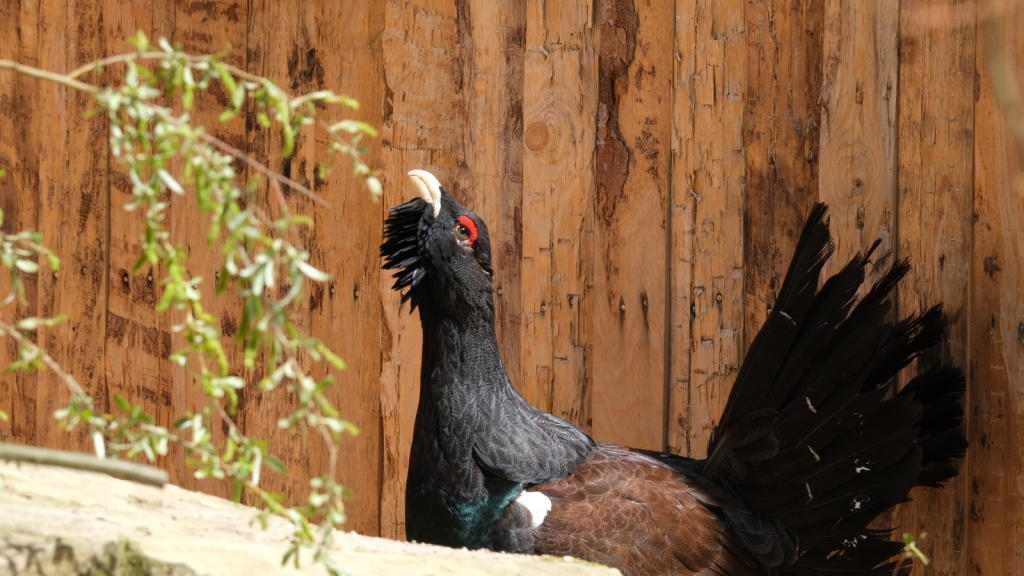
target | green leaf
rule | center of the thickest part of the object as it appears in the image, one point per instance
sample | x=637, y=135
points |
x=3, y=416
x=373, y=183
x=274, y=464
x=333, y=358
x=122, y=404
x=169, y=181
x=312, y=273
x=139, y=41
x=29, y=324
x=27, y=266
x=236, y=490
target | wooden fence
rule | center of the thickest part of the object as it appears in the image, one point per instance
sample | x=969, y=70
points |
x=644, y=167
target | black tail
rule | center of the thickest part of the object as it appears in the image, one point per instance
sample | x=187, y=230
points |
x=813, y=438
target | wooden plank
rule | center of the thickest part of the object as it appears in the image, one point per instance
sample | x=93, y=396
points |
x=708, y=174
x=936, y=160
x=858, y=139
x=285, y=52
x=628, y=301
x=558, y=194
x=784, y=67
x=20, y=153
x=204, y=27
x=995, y=461
x=137, y=339
x=73, y=216
x=422, y=129
x=492, y=39
x=345, y=312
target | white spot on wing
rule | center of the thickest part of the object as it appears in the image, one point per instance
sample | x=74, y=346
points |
x=809, y=405
x=787, y=317
x=538, y=504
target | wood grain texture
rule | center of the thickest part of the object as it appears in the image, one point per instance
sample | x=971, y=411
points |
x=631, y=225
x=19, y=199
x=288, y=53
x=189, y=228
x=491, y=44
x=995, y=522
x=73, y=216
x=784, y=68
x=422, y=125
x=708, y=177
x=345, y=312
x=559, y=114
x=858, y=123
x=936, y=170
x=621, y=151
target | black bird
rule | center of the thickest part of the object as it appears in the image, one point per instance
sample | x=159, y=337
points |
x=814, y=443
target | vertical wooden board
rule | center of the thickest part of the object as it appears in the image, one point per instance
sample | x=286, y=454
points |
x=559, y=113
x=995, y=461
x=345, y=311
x=73, y=215
x=287, y=53
x=784, y=65
x=422, y=129
x=858, y=118
x=936, y=160
x=205, y=27
x=629, y=295
x=19, y=199
x=137, y=340
x=491, y=39
x=708, y=175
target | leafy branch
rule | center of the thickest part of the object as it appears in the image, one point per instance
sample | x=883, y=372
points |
x=164, y=155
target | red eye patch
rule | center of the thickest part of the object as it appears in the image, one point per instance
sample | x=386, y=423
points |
x=470, y=225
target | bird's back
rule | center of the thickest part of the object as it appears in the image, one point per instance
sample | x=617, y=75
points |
x=625, y=508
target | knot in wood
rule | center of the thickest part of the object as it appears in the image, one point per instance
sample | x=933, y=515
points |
x=537, y=136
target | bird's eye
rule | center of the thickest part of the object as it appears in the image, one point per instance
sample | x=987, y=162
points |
x=465, y=229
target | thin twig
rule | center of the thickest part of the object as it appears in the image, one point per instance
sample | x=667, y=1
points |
x=51, y=76
x=120, y=58
x=117, y=468
x=273, y=176
x=70, y=82
x=52, y=364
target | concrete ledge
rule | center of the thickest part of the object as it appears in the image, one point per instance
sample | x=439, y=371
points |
x=61, y=522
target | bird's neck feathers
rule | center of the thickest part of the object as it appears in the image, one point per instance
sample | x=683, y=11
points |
x=476, y=442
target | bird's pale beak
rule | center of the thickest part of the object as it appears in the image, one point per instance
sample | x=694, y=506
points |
x=428, y=187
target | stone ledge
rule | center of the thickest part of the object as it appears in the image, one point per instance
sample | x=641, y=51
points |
x=61, y=522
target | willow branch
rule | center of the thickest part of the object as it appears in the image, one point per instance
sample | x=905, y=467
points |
x=51, y=76
x=272, y=175
x=117, y=468
x=121, y=58
x=52, y=364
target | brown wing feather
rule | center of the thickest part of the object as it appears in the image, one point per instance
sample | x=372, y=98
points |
x=633, y=513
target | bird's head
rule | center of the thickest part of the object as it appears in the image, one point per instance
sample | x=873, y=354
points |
x=440, y=249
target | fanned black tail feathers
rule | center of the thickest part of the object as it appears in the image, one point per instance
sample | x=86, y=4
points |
x=402, y=251
x=813, y=438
